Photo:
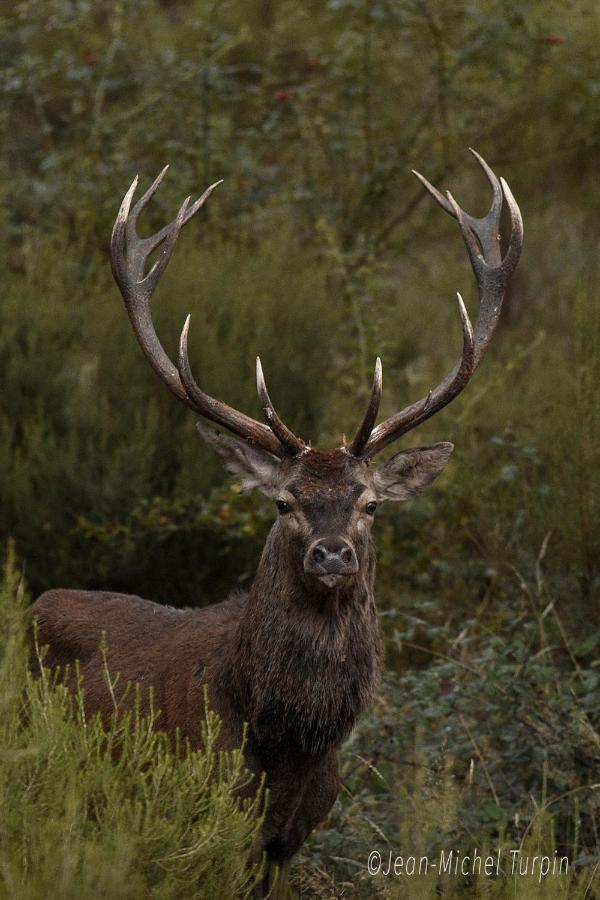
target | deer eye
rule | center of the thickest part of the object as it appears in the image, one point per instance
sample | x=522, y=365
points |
x=282, y=506
x=371, y=507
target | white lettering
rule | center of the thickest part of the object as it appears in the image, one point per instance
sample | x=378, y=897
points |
x=446, y=863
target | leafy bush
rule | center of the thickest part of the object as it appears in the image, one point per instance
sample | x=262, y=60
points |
x=494, y=745
x=89, y=812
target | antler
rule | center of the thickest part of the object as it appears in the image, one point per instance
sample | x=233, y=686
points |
x=129, y=253
x=492, y=273
x=370, y=417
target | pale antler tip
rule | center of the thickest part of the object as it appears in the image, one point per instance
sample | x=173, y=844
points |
x=210, y=189
x=261, y=385
x=507, y=191
x=181, y=216
x=183, y=345
x=466, y=321
x=456, y=210
x=204, y=197
x=378, y=372
x=159, y=177
x=131, y=191
x=123, y=213
x=479, y=158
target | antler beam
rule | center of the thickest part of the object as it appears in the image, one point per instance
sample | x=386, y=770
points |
x=129, y=254
x=492, y=273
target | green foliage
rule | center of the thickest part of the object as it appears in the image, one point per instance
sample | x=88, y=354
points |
x=319, y=253
x=92, y=812
x=66, y=350
x=495, y=745
x=214, y=542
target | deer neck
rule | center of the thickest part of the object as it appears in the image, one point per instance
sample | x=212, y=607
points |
x=305, y=659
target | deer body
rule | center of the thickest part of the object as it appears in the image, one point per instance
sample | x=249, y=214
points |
x=189, y=647
x=294, y=658
x=298, y=657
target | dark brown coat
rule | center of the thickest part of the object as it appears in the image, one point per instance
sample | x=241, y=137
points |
x=297, y=657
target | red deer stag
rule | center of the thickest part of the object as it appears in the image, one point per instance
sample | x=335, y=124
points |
x=299, y=655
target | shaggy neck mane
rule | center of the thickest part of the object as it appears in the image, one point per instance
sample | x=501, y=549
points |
x=305, y=661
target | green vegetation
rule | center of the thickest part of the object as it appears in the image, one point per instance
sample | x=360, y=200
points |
x=112, y=812
x=319, y=252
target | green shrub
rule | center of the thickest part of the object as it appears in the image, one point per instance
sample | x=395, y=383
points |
x=491, y=739
x=81, y=820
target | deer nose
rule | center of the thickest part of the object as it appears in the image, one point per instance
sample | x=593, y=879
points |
x=331, y=556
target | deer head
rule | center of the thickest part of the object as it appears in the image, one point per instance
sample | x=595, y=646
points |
x=326, y=499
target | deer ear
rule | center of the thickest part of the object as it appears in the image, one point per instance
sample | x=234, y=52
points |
x=409, y=472
x=257, y=468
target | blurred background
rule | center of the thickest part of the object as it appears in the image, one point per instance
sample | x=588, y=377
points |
x=320, y=251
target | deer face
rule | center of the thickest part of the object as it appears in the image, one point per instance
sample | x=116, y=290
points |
x=326, y=500
x=326, y=505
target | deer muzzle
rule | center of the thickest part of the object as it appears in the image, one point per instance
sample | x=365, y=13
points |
x=331, y=559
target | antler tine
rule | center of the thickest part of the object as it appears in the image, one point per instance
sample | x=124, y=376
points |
x=145, y=246
x=437, y=196
x=138, y=248
x=370, y=417
x=515, y=242
x=151, y=280
x=129, y=254
x=487, y=228
x=221, y=413
x=289, y=440
x=117, y=238
x=127, y=262
x=492, y=273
